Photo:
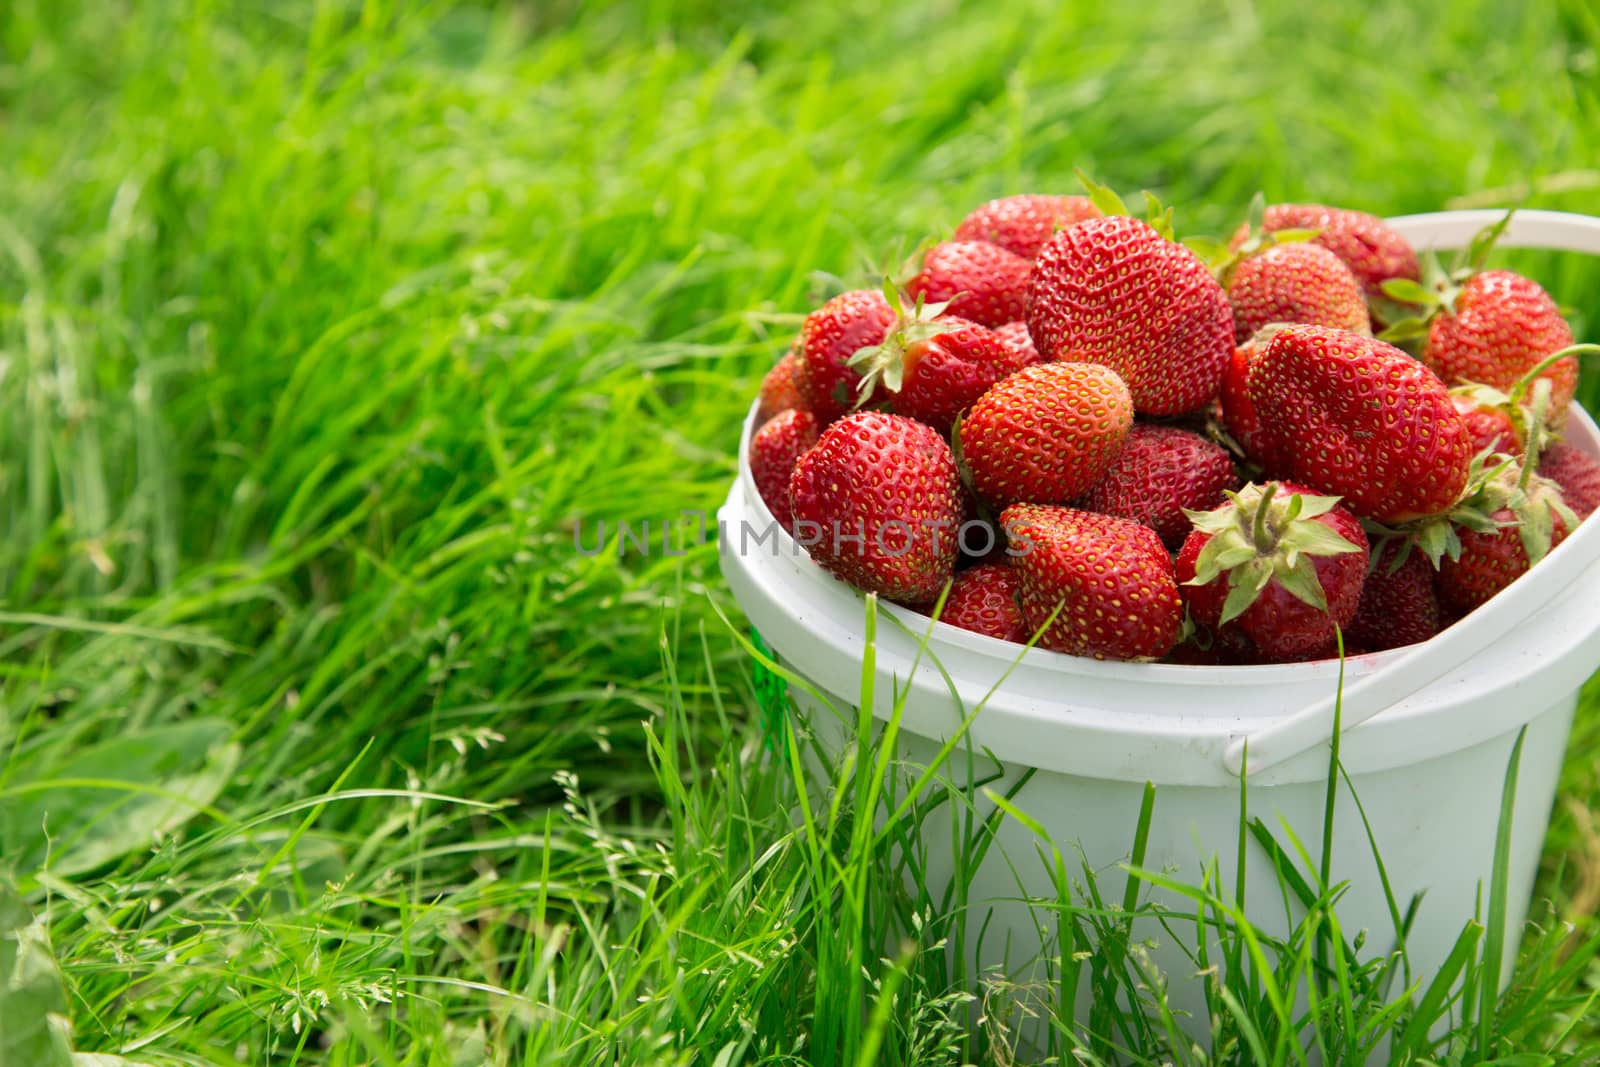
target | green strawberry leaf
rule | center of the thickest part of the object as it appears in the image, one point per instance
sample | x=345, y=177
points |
x=1408, y=292
x=1316, y=539
x=1223, y=552
x=1102, y=197
x=1294, y=235
x=1438, y=540
x=1299, y=577
x=1159, y=218
x=1212, y=251
x=1244, y=588
x=1407, y=329
x=1256, y=213
x=1473, y=257
x=1313, y=505
x=891, y=295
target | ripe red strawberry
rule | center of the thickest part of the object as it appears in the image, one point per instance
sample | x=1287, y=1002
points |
x=877, y=502
x=1578, y=475
x=931, y=367
x=1298, y=282
x=1239, y=415
x=1114, y=291
x=1277, y=567
x=1498, y=327
x=975, y=280
x=830, y=336
x=1505, y=525
x=1360, y=419
x=1489, y=561
x=1046, y=434
x=1161, y=471
x=1373, y=252
x=1017, y=336
x=774, y=450
x=1488, y=419
x=1111, y=579
x=778, y=389
x=1398, y=603
x=1022, y=224
x=984, y=600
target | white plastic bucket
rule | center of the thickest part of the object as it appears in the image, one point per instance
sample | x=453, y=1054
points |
x=1428, y=729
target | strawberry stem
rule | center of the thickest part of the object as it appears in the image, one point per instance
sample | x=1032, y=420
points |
x=1536, y=431
x=1522, y=383
x=1265, y=542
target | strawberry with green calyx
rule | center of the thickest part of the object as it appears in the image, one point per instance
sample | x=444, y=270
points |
x=976, y=280
x=1022, y=224
x=1530, y=518
x=1535, y=521
x=1507, y=519
x=1044, y=435
x=1121, y=293
x=1280, y=276
x=1360, y=419
x=1485, y=326
x=1295, y=283
x=932, y=366
x=1103, y=585
x=774, y=451
x=1500, y=418
x=877, y=502
x=1278, y=566
x=1491, y=476
x=1251, y=239
x=1371, y=249
x=833, y=333
x=1488, y=414
x=1161, y=474
x=984, y=600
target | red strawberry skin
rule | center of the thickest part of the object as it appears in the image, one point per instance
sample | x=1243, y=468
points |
x=1279, y=626
x=1160, y=471
x=982, y=282
x=984, y=600
x=885, y=501
x=1490, y=427
x=1300, y=282
x=774, y=451
x=1578, y=475
x=1022, y=224
x=1111, y=578
x=1488, y=563
x=1239, y=414
x=1373, y=252
x=1503, y=324
x=1398, y=607
x=1046, y=434
x=830, y=336
x=778, y=389
x=1017, y=336
x=945, y=374
x=1114, y=291
x=1360, y=419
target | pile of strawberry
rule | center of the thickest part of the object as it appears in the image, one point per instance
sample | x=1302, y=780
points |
x=1069, y=428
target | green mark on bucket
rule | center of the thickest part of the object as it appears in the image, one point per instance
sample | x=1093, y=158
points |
x=771, y=694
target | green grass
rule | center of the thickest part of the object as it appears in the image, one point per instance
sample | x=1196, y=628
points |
x=321, y=328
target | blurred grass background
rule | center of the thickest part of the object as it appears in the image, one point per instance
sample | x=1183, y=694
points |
x=322, y=326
